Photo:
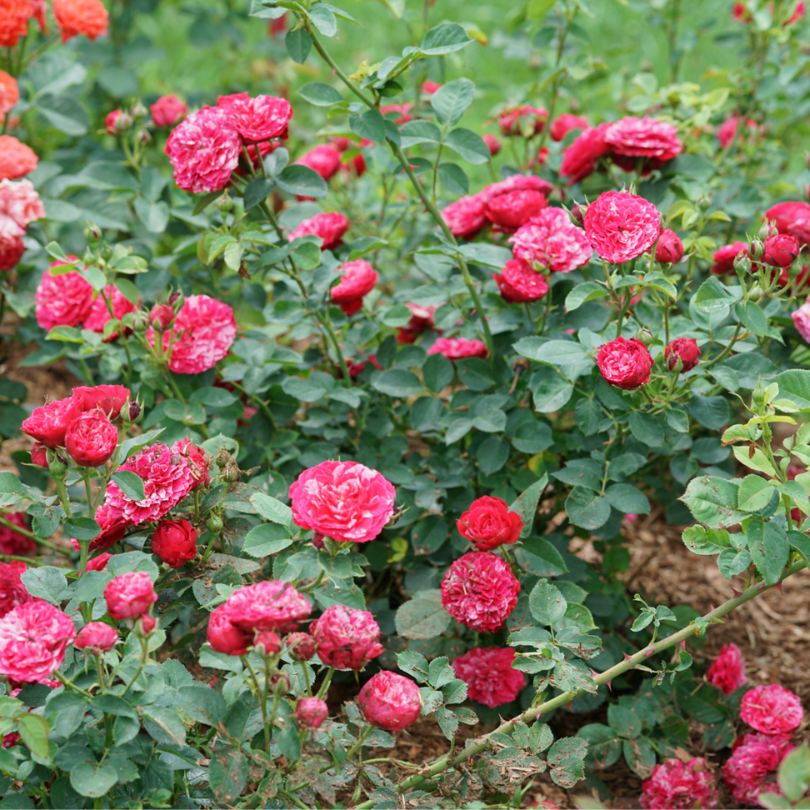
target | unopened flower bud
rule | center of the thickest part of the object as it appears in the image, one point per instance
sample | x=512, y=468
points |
x=161, y=316
x=225, y=204
x=57, y=467
x=578, y=213
x=301, y=646
x=704, y=203
x=765, y=230
x=279, y=684
x=266, y=643
x=742, y=263
x=138, y=110
x=317, y=541
x=117, y=122
x=310, y=712
x=144, y=136
x=214, y=524
x=646, y=337
x=756, y=248
x=140, y=322
x=177, y=299
x=146, y=625
x=130, y=412
x=92, y=233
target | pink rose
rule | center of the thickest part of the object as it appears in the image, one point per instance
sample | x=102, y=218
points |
x=422, y=317
x=20, y=202
x=357, y=281
x=204, y=151
x=109, y=399
x=266, y=643
x=727, y=131
x=310, y=712
x=175, y=542
x=390, y=701
x=515, y=182
x=12, y=249
x=346, y=638
x=12, y=591
x=621, y=226
x=625, y=363
x=91, y=439
x=551, y=239
x=781, y=250
x=130, y=595
x=669, y=249
x=679, y=784
x=646, y=139
x=490, y=677
x=99, y=313
x=16, y=158
x=224, y=636
x=429, y=87
x=753, y=766
x=727, y=671
x=257, y=119
x=772, y=709
x=33, y=640
x=684, y=349
x=267, y=605
x=96, y=638
x=511, y=210
x=466, y=217
x=49, y=423
x=566, y=122
x=168, y=111
x=801, y=320
x=519, y=283
x=792, y=218
x=330, y=228
x=323, y=159
x=198, y=460
x=458, y=348
x=579, y=159
x=493, y=144
x=63, y=300
x=343, y=500
x=480, y=591
x=117, y=122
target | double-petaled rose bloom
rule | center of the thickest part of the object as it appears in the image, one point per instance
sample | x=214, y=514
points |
x=772, y=709
x=621, y=226
x=752, y=768
x=329, y=228
x=346, y=638
x=130, y=595
x=625, y=363
x=96, y=638
x=168, y=111
x=490, y=677
x=175, y=542
x=552, y=240
x=724, y=257
x=669, y=249
x=727, y=671
x=358, y=279
x=458, y=348
x=488, y=523
x=565, y=123
x=683, y=350
x=390, y=701
x=679, y=784
x=520, y=283
x=75, y=17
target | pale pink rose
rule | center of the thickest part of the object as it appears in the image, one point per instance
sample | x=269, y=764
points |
x=621, y=226
x=21, y=202
x=63, y=300
x=257, y=119
x=551, y=239
x=33, y=640
x=801, y=320
x=343, y=500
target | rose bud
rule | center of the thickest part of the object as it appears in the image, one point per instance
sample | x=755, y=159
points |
x=117, y=122
x=488, y=523
x=684, y=349
x=161, y=316
x=669, y=249
x=96, y=638
x=625, y=363
x=317, y=538
x=781, y=250
x=346, y=638
x=225, y=637
x=493, y=144
x=133, y=411
x=99, y=563
x=578, y=212
x=390, y=701
x=279, y=684
x=130, y=595
x=177, y=299
x=310, y=712
x=756, y=248
x=147, y=624
x=39, y=455
x=266, y=643
x=91, y=439
x=301, y=646
x=175, y=542
x=109, y=399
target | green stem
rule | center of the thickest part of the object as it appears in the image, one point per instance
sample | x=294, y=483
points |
x=561, y=700
x=326, y=681
x=30, y=535
x=327, y=322
x=262, y=702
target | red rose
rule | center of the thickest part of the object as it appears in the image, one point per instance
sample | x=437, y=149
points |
x=224, y=636
x=175, y=542
x=458, y=348
x=621, y=226
x=357, y=281
x=466, y=217
x=579, y=159
x=130, y=595
x=96, y=638
x=520, y=283
x=490, y=677
x=625, y=363
x=724, y=258
x=167, y=111
x=564, y=123
x=49, y=424
x=109, y=399
x=488, y=523
x=422, y=317
x=780, y=250
x=323, y=159
x=792, y=218
x=329, y=227
x=91, y=440
x=684, y=349
x=669, y=249
x=39, y=455
x=511, y=210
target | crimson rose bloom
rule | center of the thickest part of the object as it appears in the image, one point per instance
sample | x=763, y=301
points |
x=267, y=605
x=12, y=249
x=551, y=239
x=330, y=228
x=16, y=159
x=466, y=217
x=621, y=226
x=109, y=399
x=167, y=111
x=790, y=217
x=772, y=709
x=310, y=712
x=780, y=250
x=685, y=349
x=515, y=182
x=346, y=638
x=458, y=348
x=175, y=542
x=257, y=119
x=96, y=638
x=493, y=144
x=489, y=675
x=511, y=210
x=625, y=363
x=323, y=159
x=669, y=249
x=204, y=151
x=523, y=118
x=33, y=640
x=519, y=283
x=74, y=17
x=724, y=258
x=100, y=313
x=579, y=159
x=204, y=331
x=48, y=424
x=727, y=671
x=564, y=123
x=14, y=16
x=655, y=142
x=421, y=319
x=753, y=765
x=91, y=440
x=12, y=591
x=390, y=701
x=14, y=543
x=130, y=595
x=488, y=523
x=63, y=300
x=301, y=646
x=480, y=591
x=344, y=500
x=226, y=637
x=357, y=281
x=676, y=785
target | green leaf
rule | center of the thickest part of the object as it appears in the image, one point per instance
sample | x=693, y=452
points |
x=202, y=703
x=705, y=541
x=526, y=504
x=437, y=372
x=64, y=113
x=303, y=181
x=324, y=20
x=589, y=291
x=493, y=454
x=272, y=509
x=553, y=352
x=546, y=603
x=646, y=428
x=369, y=125
x=453, y=178
x=713, y=296
x=267, y=539
x=81, y=528
x=93, y=780
x=537, y=9
x=228, y=775
x=754, y=494
x=604, y=749
x=539, y=557
x=153, y=215
x=45, y=582
x=628, y=499
x=794, y=773
x=419, y=131
x=752, y=316
x=299, y=44
x=587, y=509
x=397, y=382
x=469, y=145
x=769, y=547
x=423, y=617
x=451, y=100
x=444, y=38
x=34, y=732
x=320, y=94
x=257, y=191
x=711, y=412
x=566, y=759
x=795, y=386
x=713, y=502
x=131, y=484
x=732, y=562
x=640, y=756
x=288, y=741
x=551, y=394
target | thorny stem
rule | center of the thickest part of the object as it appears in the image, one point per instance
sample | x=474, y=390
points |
x=561, y=700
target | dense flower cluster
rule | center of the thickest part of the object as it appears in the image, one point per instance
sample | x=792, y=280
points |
x=676, y=785
x=490, y=677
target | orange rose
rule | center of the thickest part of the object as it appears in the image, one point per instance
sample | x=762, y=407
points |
x=74, y=17
x=9, y=93
x=16, y=159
